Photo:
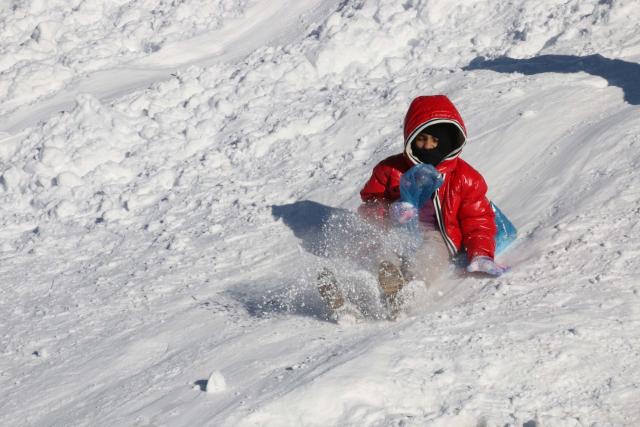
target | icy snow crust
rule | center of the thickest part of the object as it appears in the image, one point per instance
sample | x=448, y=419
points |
x=165, y=228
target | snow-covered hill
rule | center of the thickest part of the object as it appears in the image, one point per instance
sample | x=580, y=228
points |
x=165, y=167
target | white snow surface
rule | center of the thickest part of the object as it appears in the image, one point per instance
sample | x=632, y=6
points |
x=164, y=166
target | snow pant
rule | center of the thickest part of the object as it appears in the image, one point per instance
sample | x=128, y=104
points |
x=351, y=238
x=429, y=262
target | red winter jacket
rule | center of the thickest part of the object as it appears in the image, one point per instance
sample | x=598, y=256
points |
x=464, y=215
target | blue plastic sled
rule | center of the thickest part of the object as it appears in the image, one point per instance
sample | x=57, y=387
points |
x=507, y=232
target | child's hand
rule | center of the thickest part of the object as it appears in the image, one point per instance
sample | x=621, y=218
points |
x=484, y=264
x=403, y=212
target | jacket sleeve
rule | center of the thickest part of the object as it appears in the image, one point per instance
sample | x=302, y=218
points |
x=477, y=220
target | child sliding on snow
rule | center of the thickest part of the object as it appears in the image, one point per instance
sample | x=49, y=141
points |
x=456, y=217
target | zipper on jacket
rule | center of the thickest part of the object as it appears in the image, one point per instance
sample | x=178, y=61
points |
x=436, y=203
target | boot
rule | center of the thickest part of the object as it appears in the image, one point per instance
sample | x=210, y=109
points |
x=328, y=288
x=391, y=281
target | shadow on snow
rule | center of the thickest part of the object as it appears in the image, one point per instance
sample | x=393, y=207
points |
x=307, y=220
x=623, y=74
x=335, y=238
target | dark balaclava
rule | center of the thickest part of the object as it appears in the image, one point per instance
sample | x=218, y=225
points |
x=446, y=134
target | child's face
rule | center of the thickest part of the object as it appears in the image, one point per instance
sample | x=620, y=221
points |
x=426, y=141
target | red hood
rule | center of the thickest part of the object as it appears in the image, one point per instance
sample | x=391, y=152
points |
x=425, y=111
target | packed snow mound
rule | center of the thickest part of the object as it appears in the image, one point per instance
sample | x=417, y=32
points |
x=44, y=49
x=389, y=37
x=47, y=44
x=151, y=236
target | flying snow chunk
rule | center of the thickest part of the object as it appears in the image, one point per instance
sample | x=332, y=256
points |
x=41, y=353
x=216, y=383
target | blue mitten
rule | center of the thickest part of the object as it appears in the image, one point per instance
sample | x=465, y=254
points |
x=418, y=184
x=416, y=187
x=484, y=264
